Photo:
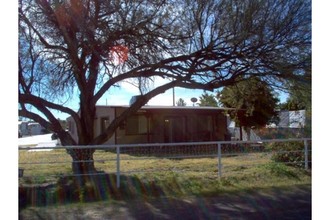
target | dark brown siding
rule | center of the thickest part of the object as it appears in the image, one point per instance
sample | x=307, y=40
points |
x=174, y=125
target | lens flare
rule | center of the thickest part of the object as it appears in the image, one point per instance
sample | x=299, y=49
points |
x=118, y=54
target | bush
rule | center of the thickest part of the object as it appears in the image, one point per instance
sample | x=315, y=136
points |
x=291, y=153
x=281, y=170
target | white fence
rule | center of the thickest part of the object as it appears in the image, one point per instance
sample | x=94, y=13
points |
x=37, y=161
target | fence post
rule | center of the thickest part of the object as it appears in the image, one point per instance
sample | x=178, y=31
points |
x=118, y=166
x=306, y=154
x=219, y=160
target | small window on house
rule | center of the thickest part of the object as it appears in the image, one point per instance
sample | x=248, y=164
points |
x=136, y=124
x=104, y=123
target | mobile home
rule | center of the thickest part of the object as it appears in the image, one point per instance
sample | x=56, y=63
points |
x=161, y=124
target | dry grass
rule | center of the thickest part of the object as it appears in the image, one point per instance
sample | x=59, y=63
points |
x=242, y=171
x=147, y=178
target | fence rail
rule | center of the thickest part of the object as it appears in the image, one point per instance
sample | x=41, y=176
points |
x=114, y=158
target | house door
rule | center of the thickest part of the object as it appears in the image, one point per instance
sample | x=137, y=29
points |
x=174, y=129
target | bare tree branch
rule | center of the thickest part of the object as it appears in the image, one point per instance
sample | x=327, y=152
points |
x=69, y=45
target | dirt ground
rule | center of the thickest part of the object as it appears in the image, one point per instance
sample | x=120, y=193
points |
x=275, y=203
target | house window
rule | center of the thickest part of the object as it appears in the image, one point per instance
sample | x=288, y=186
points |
x=137, y=124
x=104, y=123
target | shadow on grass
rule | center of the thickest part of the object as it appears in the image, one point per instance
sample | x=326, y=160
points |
x=92, y=188
x=271, y=203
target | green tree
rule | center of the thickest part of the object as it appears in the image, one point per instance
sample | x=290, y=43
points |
x=300, y=94
x=181, y=102
x=87, y=47
x=207, y=100
x=254, y=100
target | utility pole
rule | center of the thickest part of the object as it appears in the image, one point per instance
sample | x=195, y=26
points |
x=173, y=97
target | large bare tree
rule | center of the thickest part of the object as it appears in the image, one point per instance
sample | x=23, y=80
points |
x=90, y=46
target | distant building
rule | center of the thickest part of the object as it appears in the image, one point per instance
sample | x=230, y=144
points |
x=29, y=128
x=290, y=119
x=290, y=124
x=23, y=129
x=35, y=128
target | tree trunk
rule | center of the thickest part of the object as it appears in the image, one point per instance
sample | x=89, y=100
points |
x=82, y=161
x=248, y=133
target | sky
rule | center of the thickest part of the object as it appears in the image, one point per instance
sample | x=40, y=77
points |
x=121, y=96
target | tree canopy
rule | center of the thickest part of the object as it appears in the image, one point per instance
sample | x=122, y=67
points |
x=300, y=94
x=254, y=100
x=181, y=102
x=207, y=99
x=87, y=47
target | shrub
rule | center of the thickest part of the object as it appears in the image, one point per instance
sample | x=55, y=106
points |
x=281, y=170
x=291, y=153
